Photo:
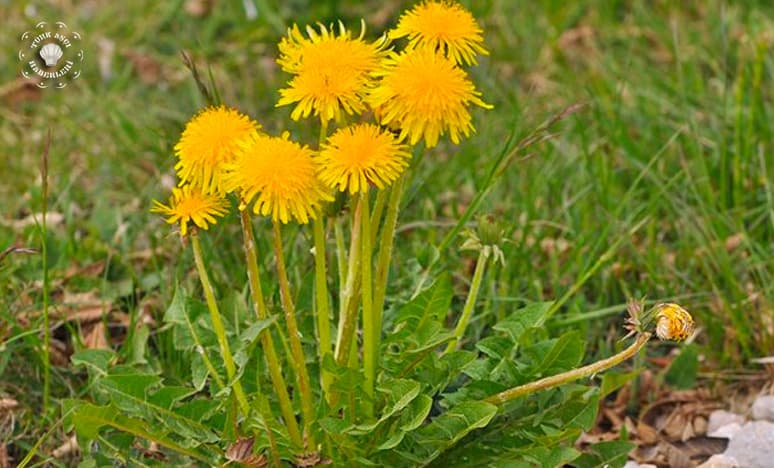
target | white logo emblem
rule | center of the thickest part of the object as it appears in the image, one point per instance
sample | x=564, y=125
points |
x=51, y=55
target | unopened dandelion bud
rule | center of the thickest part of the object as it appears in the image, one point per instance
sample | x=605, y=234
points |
x=490, y=230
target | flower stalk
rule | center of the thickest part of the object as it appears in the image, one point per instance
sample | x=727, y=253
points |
x=569, y=376
x=267, y=342
x=294, y=337
x=470, y=302
x=322, y=309
x=217, y=325
x=386, y=241
x=348, y=315
x=371, y=333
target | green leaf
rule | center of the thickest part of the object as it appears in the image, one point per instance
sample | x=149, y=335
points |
x=248, y=339
x=167, y=397
x=416, y=413
x=612, y=381
x=497, y=347
x=427, y=337
x=95, y=360
x=251, y=333
x=682, y=372
x=199, y=372
x=88, y=419
x=578, y=411
x=531, y=316
x=200, y=409
x=192, y=329
x=392, y=441
x=139, y=345
x=130, y=394
x=612, y=453
x=566, y=354
x=399, y=393
x=431, y=304
x=448, y=428
x=335, y=426
x=551, y=456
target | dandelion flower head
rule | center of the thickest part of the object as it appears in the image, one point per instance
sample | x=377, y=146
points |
x=330, y=71
x=673, y=322
x=357, y=156
x=443, y=26
x=209, y=141
x=425, y=95
x=280, y=175
x=189, y=203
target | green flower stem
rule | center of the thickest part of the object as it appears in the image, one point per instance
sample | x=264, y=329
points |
x=294, y=336
x=321, y=284
x=267, y=342
x=569, y=376
x=217, y=325
x=348, y=316
x=341, y=254
x=386, y=241
x=46, y=282
x=370, y=332
x=470, y=302
x=321, y=299
x=376, y=213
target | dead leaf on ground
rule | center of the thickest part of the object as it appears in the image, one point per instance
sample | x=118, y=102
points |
x=69, y=447
x=53, y=219
x=577, y=40
x=670, y=430
x=59, y=353
x=7, y=404
x=4, y=461
x=199, y=8
x=21, y=90
x=662, y=454
x=94, y=336
x=152, y=451
x=16, y=249
x=148, y=69
x=82, y=307
x=311, y=459
x=92, y=270
x=242, y=451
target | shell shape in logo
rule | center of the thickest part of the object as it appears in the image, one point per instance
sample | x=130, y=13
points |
x=51, y=53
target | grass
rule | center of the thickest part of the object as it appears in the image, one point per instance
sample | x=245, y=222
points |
x=675, y=139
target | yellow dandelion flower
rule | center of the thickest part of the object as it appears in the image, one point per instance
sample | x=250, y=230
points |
x=189, y=203
x=280, y=174
x=425, y=95
x=443, y=26
x=207, y=143
x=331, y=71
x=359, y=155
x=673, y=322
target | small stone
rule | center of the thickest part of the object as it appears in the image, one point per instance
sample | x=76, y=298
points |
x=724, y=424
x=763, y=408
x=725, y=432
x=753, y=445
x=634, y=464
x=720, y=461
